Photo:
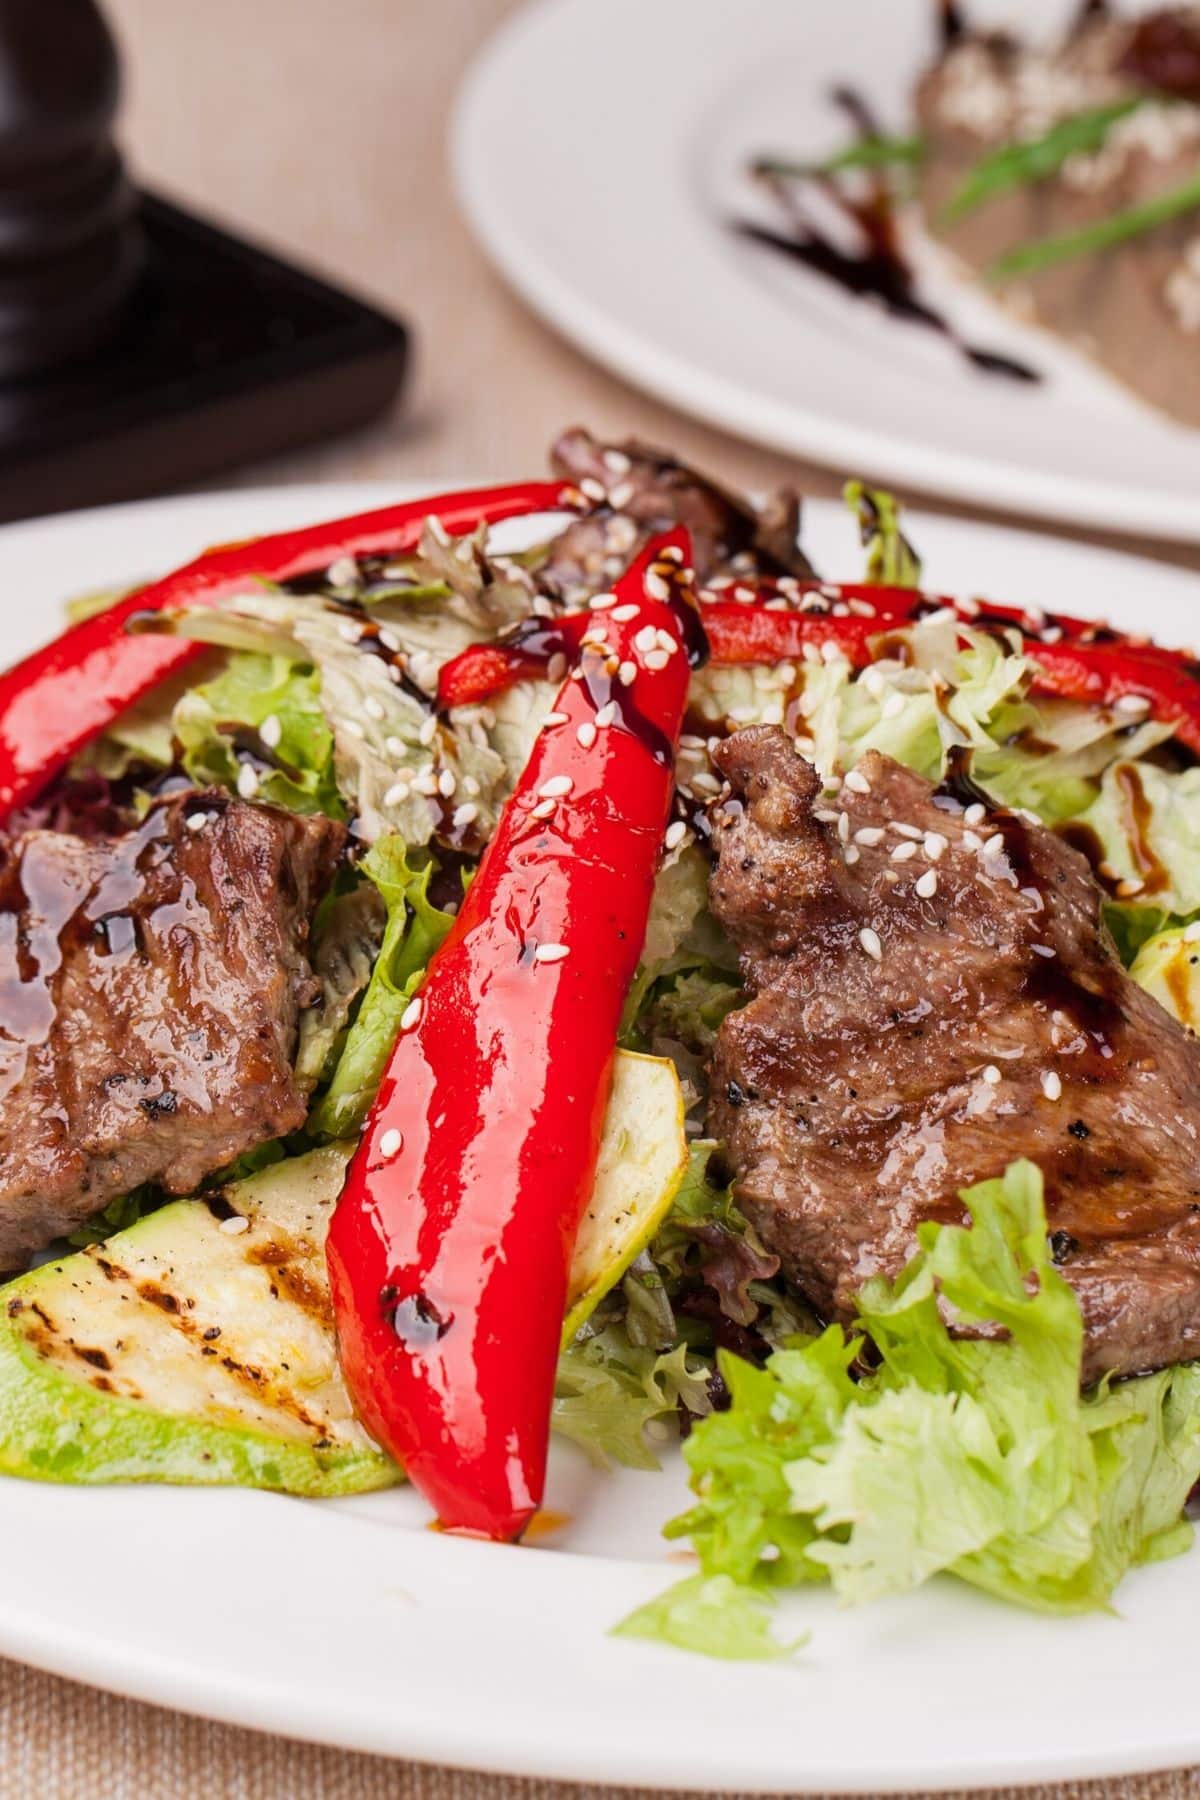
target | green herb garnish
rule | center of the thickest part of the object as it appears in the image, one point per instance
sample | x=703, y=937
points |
x=873, y=152
x=1116, y=229
x=1014, y=165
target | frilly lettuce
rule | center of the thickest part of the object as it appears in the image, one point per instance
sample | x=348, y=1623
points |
x=212, y=722
x=976, y=1457
x=414, y=930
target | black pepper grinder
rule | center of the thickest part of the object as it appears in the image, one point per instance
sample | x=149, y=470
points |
x=143, y=347
x=71, y=246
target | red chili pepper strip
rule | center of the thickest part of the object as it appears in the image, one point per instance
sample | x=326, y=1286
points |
x=64, y=694
x=1106, y=674
x=450, y=1246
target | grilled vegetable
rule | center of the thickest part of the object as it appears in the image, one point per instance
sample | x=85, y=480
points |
x=189, y=1349
x=450, y=1248
x=1168, y=966
x=64, y=694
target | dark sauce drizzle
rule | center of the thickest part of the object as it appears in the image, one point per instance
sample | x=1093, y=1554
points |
x=880, y=271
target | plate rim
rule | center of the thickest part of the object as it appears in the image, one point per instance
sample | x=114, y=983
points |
x=705, y=394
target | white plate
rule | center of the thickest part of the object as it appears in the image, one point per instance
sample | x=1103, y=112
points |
x=599, y=151
x=350, y=1623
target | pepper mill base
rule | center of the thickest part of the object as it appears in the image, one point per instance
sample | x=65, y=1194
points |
x=224, y=354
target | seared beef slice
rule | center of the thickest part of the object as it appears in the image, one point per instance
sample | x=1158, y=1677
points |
x=150, y=987
x=933, y=996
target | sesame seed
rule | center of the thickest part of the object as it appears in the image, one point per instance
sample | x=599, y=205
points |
x=826, y=815
x=391, y=1143
x=373, y=707
x=851, y=854
x=616, y=462
x=395, y=746
x=656, y=586
x=934, y=845
x=465, y=815
x=656, y=660
x=902, y=852
x=975, y=814
x=903, y=829
x=869, y=835
x=270, y=731
x=627, y=674
x=1133, y=703
x=991, y=1075
x=343, y=572
x=396, y=794
x=994, y=845
x=196, y=821
x=447, y=784
x=621, y=495
x=592, y=489
x=1191, y=933
x=428, y=730
x=1051, y=1084
x=843, y=827
x=235, y=1226
x=1034, y=897
x=646, y=638
x=586, y=734
x=630, y=610
x=349, y=631
x=857, y=782
x=555, y=718
x=1133, y=885
x=543, y=809
x=1045, y=950
x=411, y=1016
x=555, y=787
x=893, y=706
x=676, y=832
x=551, y=953
x=926, y=887
x=705, y=783
x=247, y=781
x=667, y=642
x=602, y=602
x=389, y=640
x=870, y=942
x=607, y=714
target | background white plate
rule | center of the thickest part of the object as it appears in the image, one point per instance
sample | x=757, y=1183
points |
x=598, y=153
x=348, y=1622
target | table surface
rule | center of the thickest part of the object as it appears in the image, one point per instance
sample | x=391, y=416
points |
x=319, y=127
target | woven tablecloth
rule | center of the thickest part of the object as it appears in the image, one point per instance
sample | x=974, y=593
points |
x=318, y=126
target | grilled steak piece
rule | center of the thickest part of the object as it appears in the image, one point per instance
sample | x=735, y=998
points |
x=934, y=995
x=637, y=491
x=150, y=990
x=1135, y=308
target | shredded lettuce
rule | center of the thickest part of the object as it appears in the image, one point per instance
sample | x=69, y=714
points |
x=217, y=725
x=973, y=1456
x=1148, y=821
x=414, y=930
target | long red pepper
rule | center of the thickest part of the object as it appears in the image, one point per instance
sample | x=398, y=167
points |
x=1097, y=672
x=63, y=695
x=449, y=1250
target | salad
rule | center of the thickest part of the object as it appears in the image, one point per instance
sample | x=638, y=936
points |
x=626, y=985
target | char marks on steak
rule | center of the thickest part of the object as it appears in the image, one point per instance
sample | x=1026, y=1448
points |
x=920, y=1017
x=646, y=491
x=150, y=991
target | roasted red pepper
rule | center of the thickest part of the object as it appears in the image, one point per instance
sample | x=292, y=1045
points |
x=450, y=1246
x=61, y=696
x=1084, y=665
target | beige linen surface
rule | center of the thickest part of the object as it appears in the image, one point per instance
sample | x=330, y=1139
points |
x=318, y=125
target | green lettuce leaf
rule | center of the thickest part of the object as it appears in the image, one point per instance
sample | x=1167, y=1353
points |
x=608, y=1390
x=414, y=930
x=218, y=726
x=972, y=1456
x=891, y=559
x=1148, y=821
x=712, y=1613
